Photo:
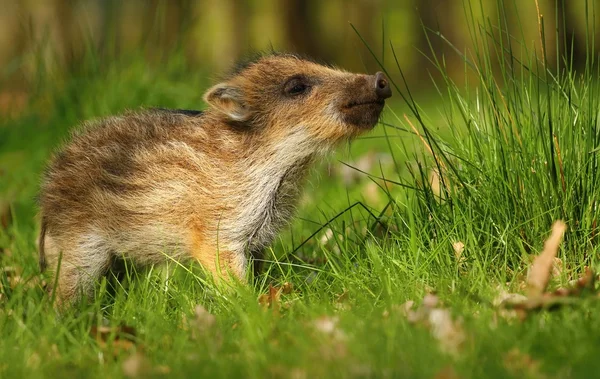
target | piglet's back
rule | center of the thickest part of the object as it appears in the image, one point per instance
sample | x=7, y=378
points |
x=110, y=163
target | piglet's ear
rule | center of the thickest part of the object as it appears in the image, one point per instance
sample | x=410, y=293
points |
x=229, y=100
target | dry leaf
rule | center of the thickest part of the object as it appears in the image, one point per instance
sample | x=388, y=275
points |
x=557, y=267
x=202, y=323
x=280, y=371
x=14, y=279
x=287, y=288
x=136, y=366
x=326, y=237
x=586, y=282
x=271, y=299
x=204, y=318
x=551, y=300
x=371, y=161
x=162, y=370
x=371, y=192
x=506, y=298
x=120, y=339
x=351, y=173
x=406, y=307
x=203, y=328
x=13, y=102
x=5, y=215
x=33, y=361
x=435, y=183
x=430, y=301
x=335, y=345
x=447, y=373
x=329, y=326
x=448, y=332
x=522, y=365
x=458, y=247
x=539, y=275
x=326, y=324
x=341, y=301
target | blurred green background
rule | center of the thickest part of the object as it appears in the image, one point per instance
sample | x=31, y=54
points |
x=66, y=61
x=56, y=37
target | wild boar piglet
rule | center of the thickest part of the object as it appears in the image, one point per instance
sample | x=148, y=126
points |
x=214, y=186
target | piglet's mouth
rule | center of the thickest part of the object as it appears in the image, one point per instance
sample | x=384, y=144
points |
x=362, y=113
x=353, y=104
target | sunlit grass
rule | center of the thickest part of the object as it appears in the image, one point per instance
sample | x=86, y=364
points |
x=490, y=165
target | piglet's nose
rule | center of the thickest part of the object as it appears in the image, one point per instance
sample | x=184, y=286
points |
x=382, y=86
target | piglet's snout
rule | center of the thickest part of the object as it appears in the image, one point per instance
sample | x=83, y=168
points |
x=382, y=86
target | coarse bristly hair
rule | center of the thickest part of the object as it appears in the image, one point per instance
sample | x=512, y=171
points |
x=214, y=186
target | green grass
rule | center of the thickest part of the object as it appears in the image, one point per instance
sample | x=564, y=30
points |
x=496, y=146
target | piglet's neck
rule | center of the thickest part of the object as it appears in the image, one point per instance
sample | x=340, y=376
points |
x=279, y=148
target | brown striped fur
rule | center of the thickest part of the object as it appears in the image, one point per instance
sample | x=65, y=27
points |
x=213, y=186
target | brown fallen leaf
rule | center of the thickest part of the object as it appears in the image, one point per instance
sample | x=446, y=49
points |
x=334, y=345
x=371, y=192
x=5, y=215
x=272, y=299
x=430, y=301
x=202, y=323
x=12, y=276
x=405, y=307
x=287, y=288
x=120, y=339
x=458, y=247
x=280, y=371
x=521, y=365
x=33, y=361
x=557, y=267
x=341, y=301
x=137, y=366
x=202, y=327
x=330, y=240
x=446, y=373
x=351, y=172
x=507, y=297
x=329, y=325
x=449, y=332
x=524, y=305
x=541, y=269
x=162, y=370
x=13, y=102
x=326, y=237
x=435, y=183
x=443, y=327
x=587, y=280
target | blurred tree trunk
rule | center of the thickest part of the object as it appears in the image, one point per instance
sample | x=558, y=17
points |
x=436, y=16
x=300, y=28
x=68, y=40
x=366, y=18
x=108, y=44
x=571, y=50
x=240, y=23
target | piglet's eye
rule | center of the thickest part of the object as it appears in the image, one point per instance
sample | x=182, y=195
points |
x=296, y=86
